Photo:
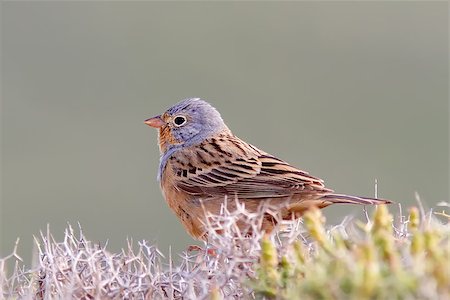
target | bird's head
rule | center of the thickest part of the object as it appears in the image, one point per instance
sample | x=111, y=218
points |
x=186, y=123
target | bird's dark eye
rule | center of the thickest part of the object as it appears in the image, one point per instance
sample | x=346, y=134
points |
x=179, y=120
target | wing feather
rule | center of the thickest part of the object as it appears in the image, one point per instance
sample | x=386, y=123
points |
x=226, y=165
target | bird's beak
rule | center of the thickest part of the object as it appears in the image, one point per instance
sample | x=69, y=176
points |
x=156, y=122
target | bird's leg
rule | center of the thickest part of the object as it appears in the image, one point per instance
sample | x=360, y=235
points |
x=208, y=250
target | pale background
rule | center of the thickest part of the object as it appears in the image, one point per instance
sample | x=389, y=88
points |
x=349, y=91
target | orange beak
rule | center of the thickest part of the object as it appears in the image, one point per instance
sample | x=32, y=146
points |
x=155, y=122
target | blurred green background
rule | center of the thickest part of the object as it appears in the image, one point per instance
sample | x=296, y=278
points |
x=350, y=91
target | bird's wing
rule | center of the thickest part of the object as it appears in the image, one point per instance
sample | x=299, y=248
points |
x=226, y=165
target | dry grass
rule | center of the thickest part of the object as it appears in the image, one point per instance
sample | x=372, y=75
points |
x=381, y=258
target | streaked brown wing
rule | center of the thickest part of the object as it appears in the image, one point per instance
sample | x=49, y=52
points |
x=277, y=178
x=228, y=166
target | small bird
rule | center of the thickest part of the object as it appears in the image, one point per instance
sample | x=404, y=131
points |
x=203, y=163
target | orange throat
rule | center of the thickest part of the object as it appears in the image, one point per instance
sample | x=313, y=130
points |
x=166, y=138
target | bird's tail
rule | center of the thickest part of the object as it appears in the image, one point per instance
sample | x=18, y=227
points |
x=338, y=198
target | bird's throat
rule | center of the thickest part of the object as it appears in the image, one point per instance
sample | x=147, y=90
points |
x=166, y=139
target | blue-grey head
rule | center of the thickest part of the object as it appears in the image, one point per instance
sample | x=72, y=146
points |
x=186, y=123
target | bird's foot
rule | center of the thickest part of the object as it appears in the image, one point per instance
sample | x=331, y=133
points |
x=206, y=249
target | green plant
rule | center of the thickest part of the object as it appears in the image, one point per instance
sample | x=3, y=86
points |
x=380, y=261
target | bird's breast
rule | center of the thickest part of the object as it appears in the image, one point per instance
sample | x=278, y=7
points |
x=185, y=206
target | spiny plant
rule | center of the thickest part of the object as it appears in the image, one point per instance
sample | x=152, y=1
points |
x=382, y=258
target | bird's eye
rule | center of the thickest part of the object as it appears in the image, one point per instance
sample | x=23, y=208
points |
x=179, y=120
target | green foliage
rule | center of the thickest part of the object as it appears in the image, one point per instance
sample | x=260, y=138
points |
x=411, y=261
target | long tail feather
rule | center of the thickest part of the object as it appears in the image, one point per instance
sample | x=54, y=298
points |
x=338, y=198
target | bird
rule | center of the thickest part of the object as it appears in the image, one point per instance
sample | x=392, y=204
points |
x=202, y=164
